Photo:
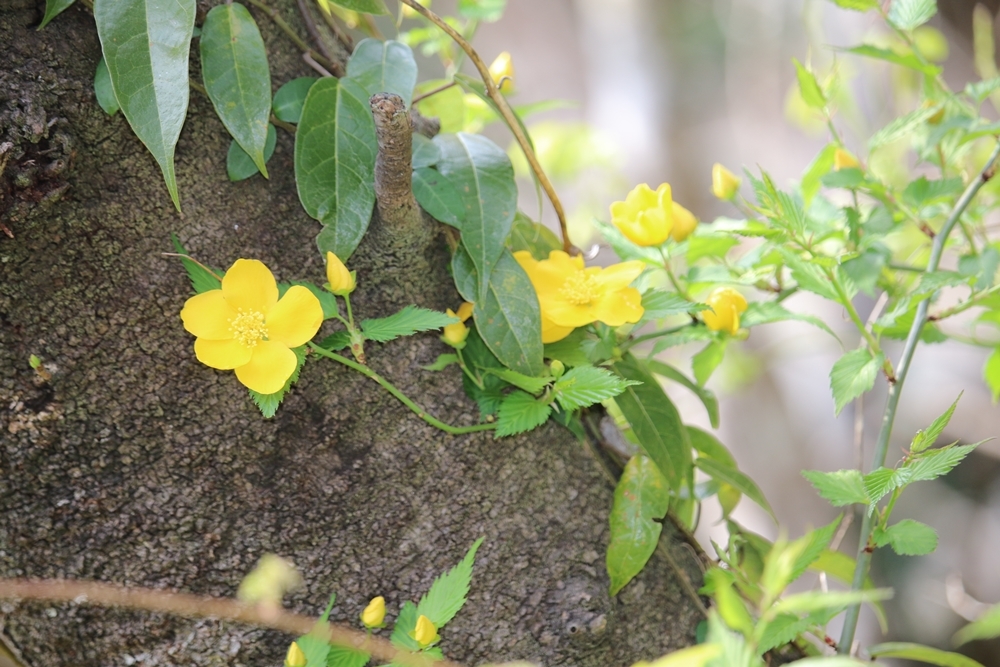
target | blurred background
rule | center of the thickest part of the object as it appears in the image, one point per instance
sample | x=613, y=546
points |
x=659, y=90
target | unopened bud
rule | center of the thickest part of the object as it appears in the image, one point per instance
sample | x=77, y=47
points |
x=340, y=280
x=684, y=223
x=374, y=614
x=725, y=183
x=502, y=71
x=844, y=160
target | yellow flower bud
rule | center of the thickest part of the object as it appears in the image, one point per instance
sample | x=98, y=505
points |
x=465, y=311
x=295, y=657
x=727, y=304
x=455, y=334
x=844, y=160
x=684, y=223
x=425, y=633
x=502, y=71
x=725, y=183
x=374, y=613
x=341, y=281
x=645, y=217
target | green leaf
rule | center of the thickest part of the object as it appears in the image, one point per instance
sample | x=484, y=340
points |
x=911, y=14
x=338, y=340
x=384, y=67
x=408, y=321
x=239, y=165
x=817, y=169
x=342, y=656
x=926, y=654
x=425, y=152
x=809, y=276
x=291, y=97
x=922, y=192
x=927, y=437
x=907, y=60
x=335, y=151
x=442, y=362
x=658, y=304
x=481, y=172
x=234, y=69
x=532, y=385
x=479, y=358
x=707, y=360
x=406, y=622
x=464, y=274
x=727, y=474
x=842, y=487
x=991, y=373
x=641, y=499
x=655, y=422
x=509, y=319
x=705, y=244
x=980, y=90
x=54, y=8
x=849, y=178
x=857, y=5
x=363, y=6
x=706, y=396
x=146, y=45
x=482, y=10
x=986, y=626
x=448, y=106
x=812, y=94
x=625, y=248
x=570, y=350
x=448, y=592
x=103, y=89
x=935, y=463
x=766, y=312
x=586, y=385
x=852, y=375
x=936, y=280
x=202, y=280
x=865, y=269
x=438, y=196
x=882, y=481
x=526, y=234
x=315, y=645
x=708, y=446
x=816, y=600
x=901, y=127
x=268, y=403
x=908, y=538
x=520, y=412
x=841, y=566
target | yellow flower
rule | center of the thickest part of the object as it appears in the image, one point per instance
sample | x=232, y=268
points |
x=725, y=183
x=455, y=334
x=502, y=71
x=425, y=633
x=844, y=160
x=684, y=223
x=246, y=328
x=571, y=295
x=645, y=217
x=374, y=613
x=465, y=311
x=341, y=281
x=295, y=657
x=727, y=304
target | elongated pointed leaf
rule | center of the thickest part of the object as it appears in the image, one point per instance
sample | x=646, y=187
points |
x=509, y=319
x=288, y=101
x=103, y=90
x=481, y=172
x=54, y=8
x=335, y=151
x=436, y=195
x=239, y=165
x=384, y=67
x=146, y=45
x=732, y=476
x=641, y=497
x=234, y=68
x=448, y=592
x=921, y=653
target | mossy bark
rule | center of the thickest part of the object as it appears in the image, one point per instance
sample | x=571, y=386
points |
x=137, y=465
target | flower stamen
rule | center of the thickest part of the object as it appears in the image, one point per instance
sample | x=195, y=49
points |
x=248, y=327
x=580, y=289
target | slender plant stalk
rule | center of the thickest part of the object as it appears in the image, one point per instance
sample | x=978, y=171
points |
x=892, y=401
x=403, y=398
x=973, y=300
x=294, y=36
x=852, y=312
x=505, y=111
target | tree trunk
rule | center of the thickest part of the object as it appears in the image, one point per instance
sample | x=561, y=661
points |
x=137, y=465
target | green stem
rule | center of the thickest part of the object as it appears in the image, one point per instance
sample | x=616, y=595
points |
x=864, y=558
x=632, y=342
x=350, y=314
x=973, y=300
x=670, y=274
x=403, y=398
x=476, y=380
x=845, y=301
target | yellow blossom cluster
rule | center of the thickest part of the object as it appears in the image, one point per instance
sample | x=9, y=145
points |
x=648, y=217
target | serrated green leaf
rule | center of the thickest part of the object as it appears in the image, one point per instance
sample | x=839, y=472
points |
x=268, y=403
x=706, y=396
x=447, y=594
x=526, y=234
x=658, y=304
x=925, y=654
x=911, y=14
x=922, y=192
x=335, y=151
x=425, y=152
x=384, y=67
x=408, y=321
x=406, y=622
x=236, y=75
x=338, y=340
x=865, y=270
x=54, y=8
x=586, y=385
x=927, y=437
x=781, y=630
x=146, y=45
x=707, y=360
x=987, y=626
x=103, y=89
x=809, y=276
x=841, y=487
x=852, y=375
x=882, y=481
x=935, y=463
x=239, y=165
x=766, y=312
x=291, y=97
x=812, y=94
x=342, y=656
x=202, y=280
x=570, y=350
x=726, y=474
x=442, y=362
x=980, y=90
x=315, y=645
x=482, y=10
x=438, y=196
x=363, y=6
x=936, y=280
x=509, y=319
x=907, y=60
x=908, y=538
x=484, y=178
x=641, y=498
x=655, y=422
x=810, y=547
x=901, y=127
x=532, y=385
x=520, y=412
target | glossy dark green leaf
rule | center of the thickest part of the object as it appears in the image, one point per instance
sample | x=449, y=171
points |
x=425, y=152
x=730, y=475
x=103, y=89
x=335, y=163
x=239, y=165
x=364, y=6
x=641, y=498
x=464, y=273
x=234, y=69
x=706, y=396
x=290, y=98
x=536, y=238
x=509, y=319
x=384, y=67
x=481, y=172
x=438, y=196
x=146, y=45
x=852, y=375
x=54, y=8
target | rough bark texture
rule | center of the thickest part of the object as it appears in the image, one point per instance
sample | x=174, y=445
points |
x=137, y=465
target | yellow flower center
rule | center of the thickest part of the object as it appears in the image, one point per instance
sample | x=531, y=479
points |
x=580, y=289
x=248, y=327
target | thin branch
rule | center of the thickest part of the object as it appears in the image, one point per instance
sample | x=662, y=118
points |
x=317, y=38
x=343, y=37
x=315, y=65
x=294, y=36
x=435, y=91
x=505, y=111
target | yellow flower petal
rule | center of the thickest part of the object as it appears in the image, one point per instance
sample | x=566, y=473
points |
x=620, y=307
x=465, y=311
x=566, y=314
x=296, y=318
x=618, y=276
x=223, y=355
x=551, y=332
x=684, y=223
x=269, y=368
x=208, y=315
x=249, y=285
